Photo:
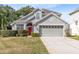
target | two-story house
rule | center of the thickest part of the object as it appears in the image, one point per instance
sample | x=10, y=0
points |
x=74, y=22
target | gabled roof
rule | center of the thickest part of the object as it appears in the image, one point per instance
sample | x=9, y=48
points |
x=49, y=15
x=77, y=10
x=49, y=11
x=22, y=19
x=30, y=16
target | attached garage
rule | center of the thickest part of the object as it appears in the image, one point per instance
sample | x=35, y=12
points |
x=52, y=30
x=51, y=26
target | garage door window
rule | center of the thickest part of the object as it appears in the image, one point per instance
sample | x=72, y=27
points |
x=43, y=26
x=57, y=26
x=51, y=26
x=61, y=26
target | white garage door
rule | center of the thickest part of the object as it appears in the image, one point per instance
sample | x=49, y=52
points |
x=51, y=30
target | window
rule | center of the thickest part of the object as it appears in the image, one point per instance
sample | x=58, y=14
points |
x=38, y=15
x=43, y=12
x=43, y=26
x=76, y=22
x=52, y=26
x=20, y=26
x=60, y=26
x=49, y=26
x=46, y=26
x=55, y=26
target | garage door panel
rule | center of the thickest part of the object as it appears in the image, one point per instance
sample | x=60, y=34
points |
x=52, y=31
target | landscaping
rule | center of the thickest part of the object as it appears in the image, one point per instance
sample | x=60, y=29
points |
x=75, y=37
x=22, y=45
x=35, y=35
x=15, y=33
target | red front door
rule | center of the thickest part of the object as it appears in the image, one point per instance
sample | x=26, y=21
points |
x=30, y=30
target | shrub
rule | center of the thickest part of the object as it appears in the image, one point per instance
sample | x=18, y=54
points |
x=35, y=35
x=25, y=32
x=11, y=33
x=74, y=35
x=67, y=33
x=0, y=32
x=22, y=32
x=8, y=33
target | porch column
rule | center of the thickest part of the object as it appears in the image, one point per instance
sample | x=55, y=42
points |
x=14, y=27
x=24, y=26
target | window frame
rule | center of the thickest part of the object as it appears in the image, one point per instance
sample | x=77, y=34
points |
x=20, y=26
x=38, y=15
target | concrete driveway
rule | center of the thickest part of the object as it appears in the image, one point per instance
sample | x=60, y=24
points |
x=61, y=45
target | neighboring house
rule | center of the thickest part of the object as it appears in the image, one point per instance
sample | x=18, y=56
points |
x=74, y=24
x=44, y=22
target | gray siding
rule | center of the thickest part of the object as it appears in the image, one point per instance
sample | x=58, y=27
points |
x=52, y=21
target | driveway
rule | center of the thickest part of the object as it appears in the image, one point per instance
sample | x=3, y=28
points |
x=61, y=45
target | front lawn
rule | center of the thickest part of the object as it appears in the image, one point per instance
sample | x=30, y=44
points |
x=75, y=37
x=22, y=45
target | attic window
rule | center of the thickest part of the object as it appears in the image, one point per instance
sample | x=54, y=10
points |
x=37, y=16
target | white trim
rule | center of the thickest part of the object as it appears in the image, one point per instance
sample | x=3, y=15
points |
x=36, y=15
x=25, y=16
x=64, y=31
x=24, y=26
x=52, y=25
x=49, y=15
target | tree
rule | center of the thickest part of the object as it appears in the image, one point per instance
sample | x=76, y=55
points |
x=7, y=15
x=24, y=11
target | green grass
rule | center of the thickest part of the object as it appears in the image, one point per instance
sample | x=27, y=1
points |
x=75, y=37
x=22, y=45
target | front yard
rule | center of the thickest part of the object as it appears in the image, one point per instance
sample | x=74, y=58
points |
x=22, y=45
x=75, y=37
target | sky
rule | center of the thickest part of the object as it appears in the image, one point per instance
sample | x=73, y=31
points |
x=64, y=9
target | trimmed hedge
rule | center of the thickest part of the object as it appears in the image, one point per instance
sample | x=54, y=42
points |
x=35, y=35
x=22, y=33
x=8, y=33
x=13, y=33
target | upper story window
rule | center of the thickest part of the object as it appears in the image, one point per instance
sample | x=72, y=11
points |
x=76, y=22
x=38, y=15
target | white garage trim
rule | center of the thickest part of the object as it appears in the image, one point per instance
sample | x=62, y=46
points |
x=52, y=28
x=64, y=31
